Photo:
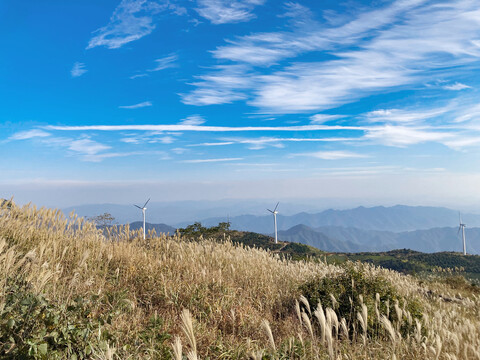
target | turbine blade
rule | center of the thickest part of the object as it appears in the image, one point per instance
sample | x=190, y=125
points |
x=137, y=206
x=270, y=211
x=459, y=228
x=146, y=203
x=276, y=206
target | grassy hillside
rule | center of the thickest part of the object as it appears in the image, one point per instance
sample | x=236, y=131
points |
x=68, y=291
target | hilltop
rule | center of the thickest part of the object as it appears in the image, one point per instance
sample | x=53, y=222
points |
x=67, y=291
x=401, y=260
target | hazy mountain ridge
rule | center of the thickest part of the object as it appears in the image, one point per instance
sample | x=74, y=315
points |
x=397, y=218
x=159, y=228
x=338, y=239
x=182, y=213
x=420, y=228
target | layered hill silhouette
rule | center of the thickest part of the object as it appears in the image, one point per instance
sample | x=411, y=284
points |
x=339, y=239
x=397, y=218
x=420, y=228
x=159, y=228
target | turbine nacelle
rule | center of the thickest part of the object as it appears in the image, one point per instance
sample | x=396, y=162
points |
x=274, y=212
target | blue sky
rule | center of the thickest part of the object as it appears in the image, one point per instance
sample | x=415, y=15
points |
x=374, y=101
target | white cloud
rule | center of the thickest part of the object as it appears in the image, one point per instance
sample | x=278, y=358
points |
x=87, y=147
x=223, y=86
x=78, y=69
x=261, y=143
x=151, y=137
x=179, y=151
x=223, y=143
x=402, y=136
x=180, y=127
x=333, y=155
x=130, y=21
x=405, y=116
x=404, y=44
x=167, y=139
x=89, y=150
x=193, y=120
x=138, y=76
x=227, y=11
x=461, y=142
x=299, y=13
x=323, y=118
x=199, y=161
x=29, y=134
x=456, y=87
x=268, y=48
x=137, y=106
x=103, y=156
x=314, y=86
x=83, y=147
x=165, y=62
x=468, y=112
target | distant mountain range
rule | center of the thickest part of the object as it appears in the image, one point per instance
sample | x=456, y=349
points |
x=420, y=228
x=395, y=219
x=159, y=228
x=340, y=239
x=187, y=212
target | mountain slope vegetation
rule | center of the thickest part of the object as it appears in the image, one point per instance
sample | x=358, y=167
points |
x=68, y=291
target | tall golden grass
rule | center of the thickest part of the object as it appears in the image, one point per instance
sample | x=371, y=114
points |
x=216, y=300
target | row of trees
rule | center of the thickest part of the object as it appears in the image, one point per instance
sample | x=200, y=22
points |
x=197, y=230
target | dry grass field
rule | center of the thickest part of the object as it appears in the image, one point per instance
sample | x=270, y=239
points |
x=69, y=291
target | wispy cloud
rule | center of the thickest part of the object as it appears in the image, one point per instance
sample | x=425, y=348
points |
x=152, y=137
x=180, y=127
x=165, y=62
x=130, y=21
x=405, y=116
x=199, y=161
x=333, y=155
x=227, y=11
x=110, y=155
x=84, y=147
x=29, y=134
x=462, y=142
x=137, y=106
x=78, y=69
x=223, y=143
x=87, y=147
x=193, y=120
x=261, y=143
x=223, y=86
x=323, y=118
x=404, y=44
x=456, y=87
x=402, y=136
x=138, y=76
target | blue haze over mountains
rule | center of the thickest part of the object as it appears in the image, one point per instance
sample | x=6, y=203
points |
x=420, y=228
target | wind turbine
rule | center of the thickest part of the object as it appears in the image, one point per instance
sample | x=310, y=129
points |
x=275, y=212
x=462, y=228
x=143, y=208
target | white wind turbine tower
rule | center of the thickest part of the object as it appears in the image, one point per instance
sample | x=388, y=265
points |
x=462, y=228
x=143, y=208
x=275, y=212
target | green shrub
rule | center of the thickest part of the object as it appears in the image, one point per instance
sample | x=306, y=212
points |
x=31, y=327
x=349, y=287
